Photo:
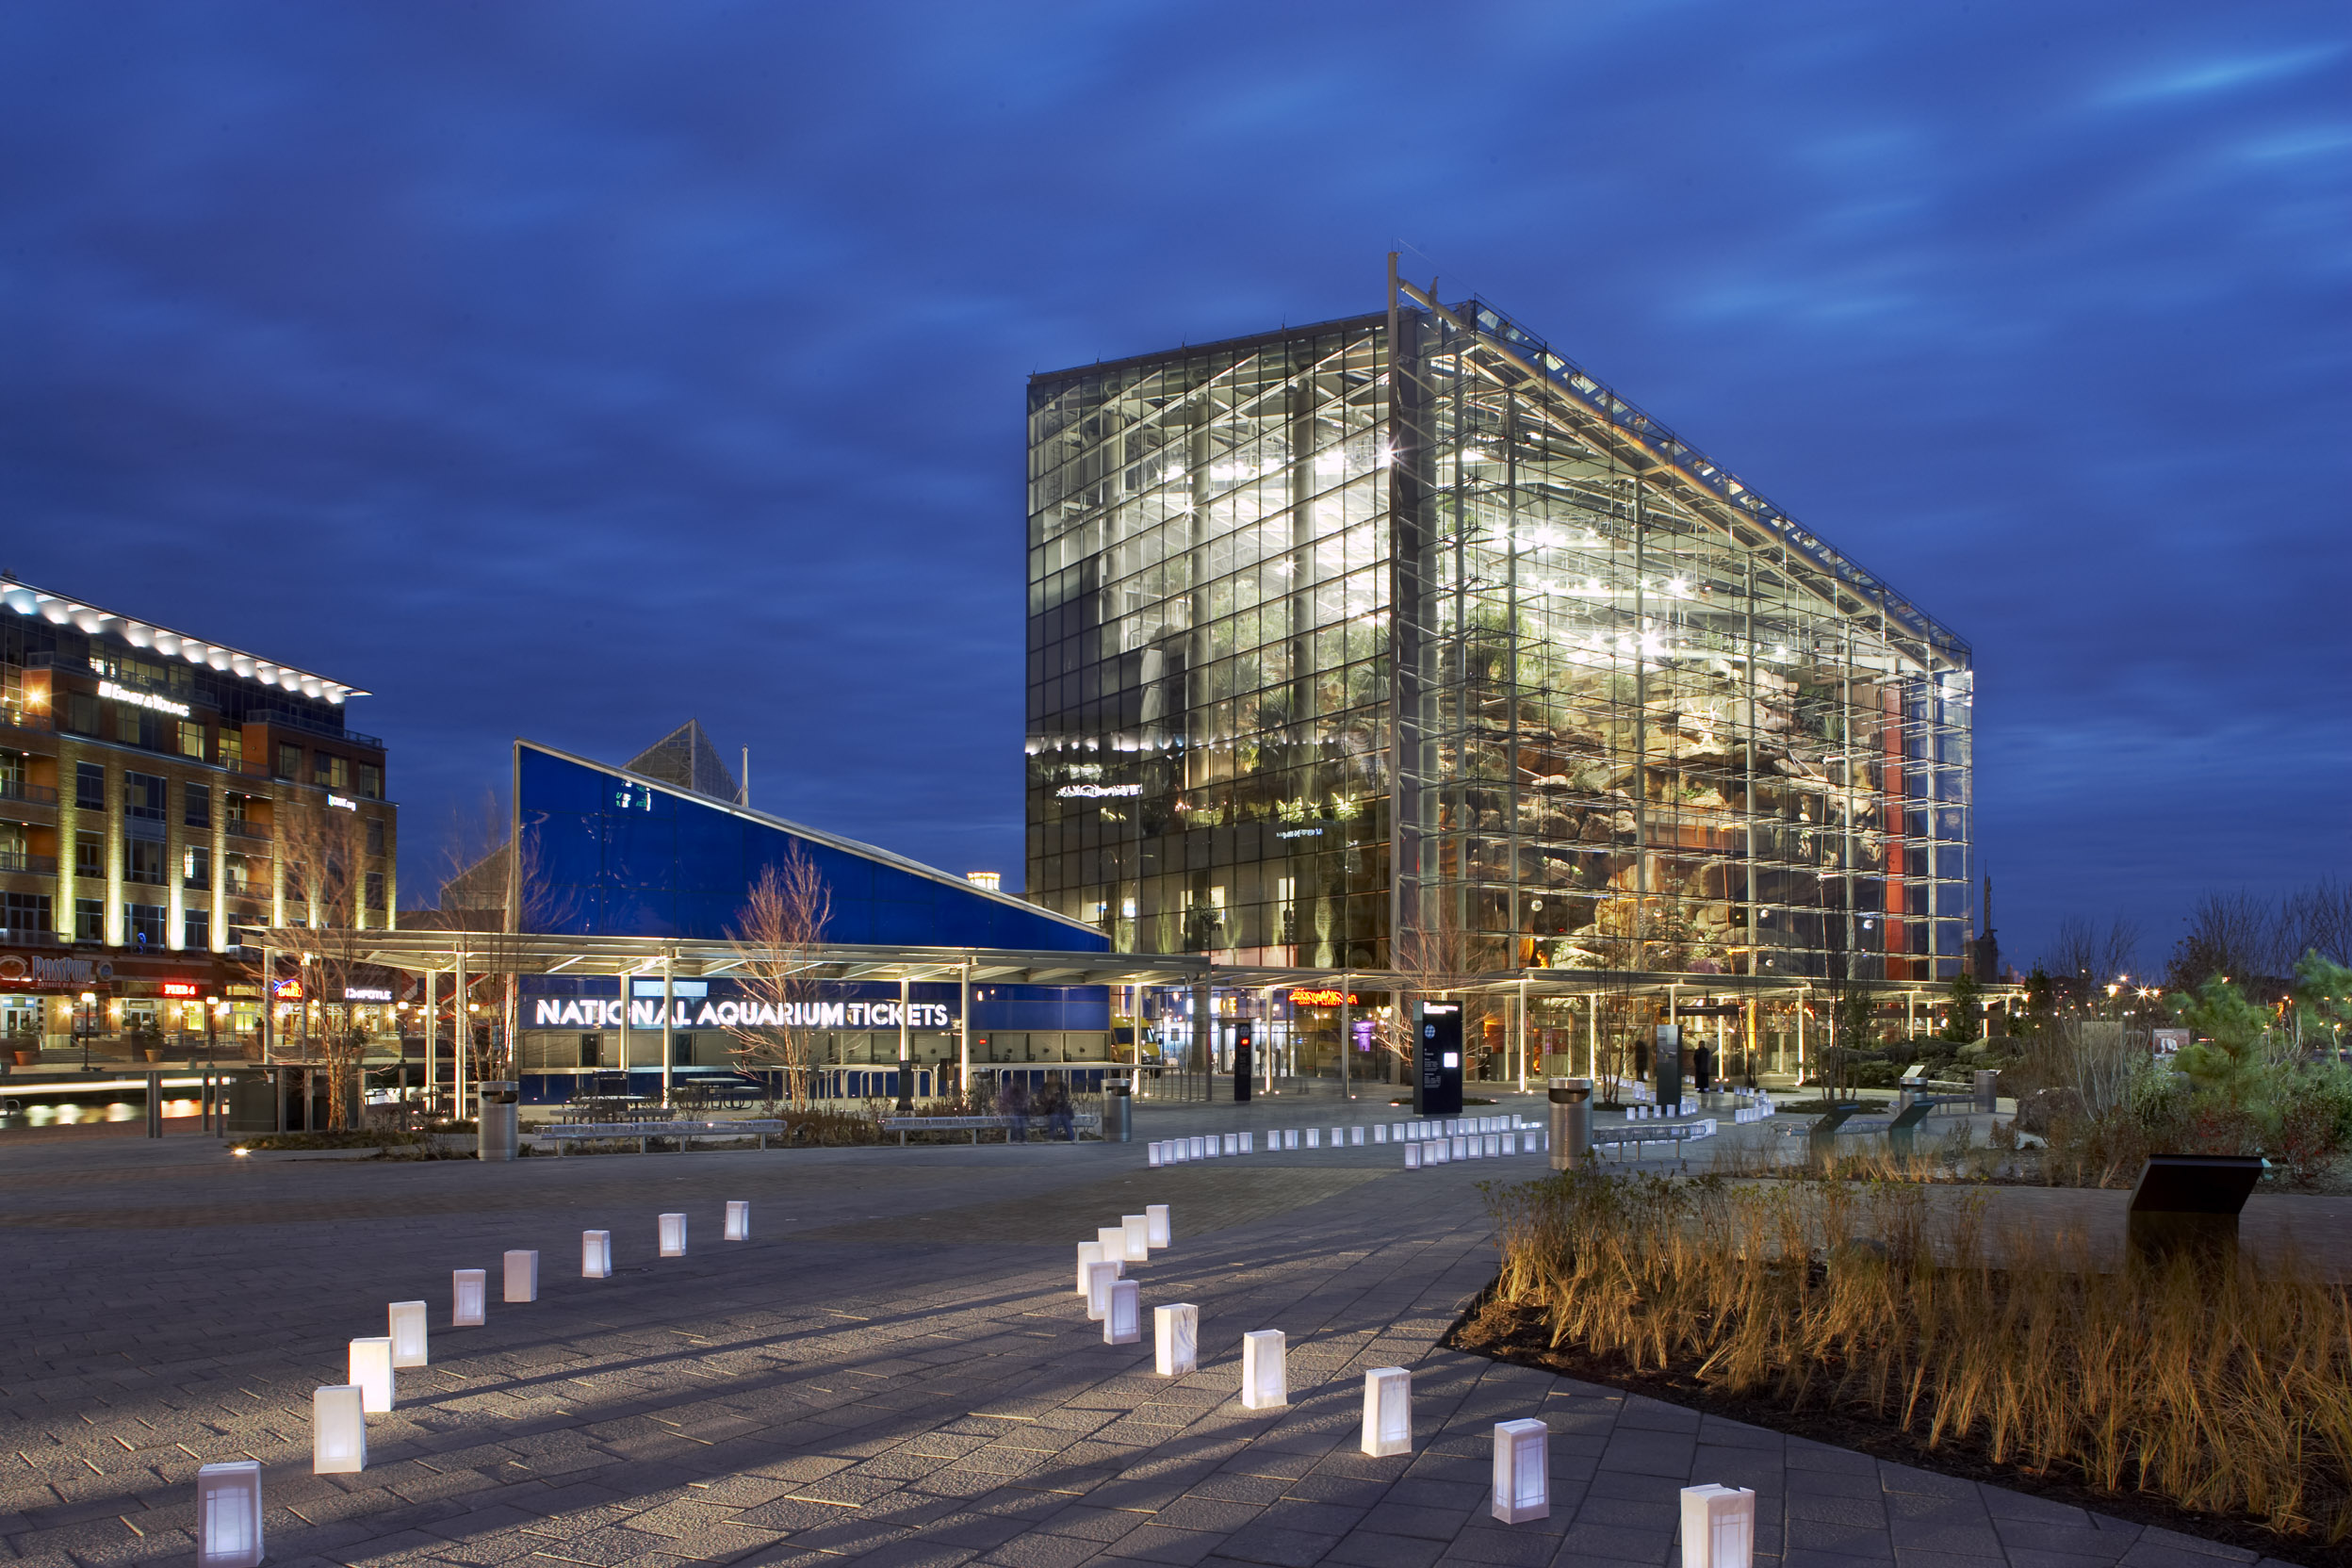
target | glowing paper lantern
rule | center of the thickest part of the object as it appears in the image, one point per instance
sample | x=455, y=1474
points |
x=1152, y=1151
x=1314, y=1138
x=371, y=1362
x=1264, y=1379
x=1355, y=1138
x=1412, y=1156
x=1100, y=1276
x=1248, y=1143
x=1123, y=1324
x=738, y=1221
x=1387, y=1412
x=338, y=1430
x=522, y=1276
x=1460, y=1146
x=1380, y=1132
x=1232, y=1143
x=1137, y=1231
x=1523, y=1471
x=1196, y=1146
x=1492, y=1145
x=1290, y=1137
x=595, y=1254
x=1155, y=1219
x=1176, y=1339
x=1089, y=1253
x=1113, y=1242
x=408, y=1333
x=468, y=1289
x=673, y=1236
x=228, y=1514
x=1718, y=1526
x=1210, y=1148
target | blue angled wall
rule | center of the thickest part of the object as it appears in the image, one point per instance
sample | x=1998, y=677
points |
x=621, y=856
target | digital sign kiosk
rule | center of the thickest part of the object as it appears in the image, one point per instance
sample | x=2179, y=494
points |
x=1437, y=1073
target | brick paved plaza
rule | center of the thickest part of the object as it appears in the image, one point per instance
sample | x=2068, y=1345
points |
x=895, y=1369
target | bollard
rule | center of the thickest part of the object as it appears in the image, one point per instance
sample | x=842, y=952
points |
x=370, y=1362
x=1176, y=1339
x=1718, y=1526
x=1264, y=1379
x=1523, y=1471
x=228, y=1514
x=1387, y=1412
x=1155, y=1214
x=1136, y=1228
x=407, y=1327
x=522, y=1276
x=595, y=1254
x=673, y=1236
x=338, y=1430
x=1123, y=1324
x=738, y=1221
x=468, y=1288
x=1100, y=1276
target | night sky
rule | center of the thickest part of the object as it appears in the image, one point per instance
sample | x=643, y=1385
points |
x=571, y=369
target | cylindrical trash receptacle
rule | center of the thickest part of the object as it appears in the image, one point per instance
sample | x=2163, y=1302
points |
x=494, y=1134
x=1987, y=1091
x=1572, y=1121
x=1119, y=1114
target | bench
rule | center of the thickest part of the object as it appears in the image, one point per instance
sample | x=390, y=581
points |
x=1638, y=1134
x=903, y=1125
x=565, y=1134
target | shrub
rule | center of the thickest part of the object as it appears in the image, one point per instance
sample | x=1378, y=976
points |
x=2194, y=1379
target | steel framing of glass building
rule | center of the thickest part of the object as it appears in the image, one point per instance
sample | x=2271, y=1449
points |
x=1404, y=624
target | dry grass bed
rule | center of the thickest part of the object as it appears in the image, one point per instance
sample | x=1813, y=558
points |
x=2196, y=1384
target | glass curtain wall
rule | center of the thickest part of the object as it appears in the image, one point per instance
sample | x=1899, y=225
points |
x=1208, y=683
x=1644, y=722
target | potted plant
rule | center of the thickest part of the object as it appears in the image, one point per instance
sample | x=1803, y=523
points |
x=24, y=1040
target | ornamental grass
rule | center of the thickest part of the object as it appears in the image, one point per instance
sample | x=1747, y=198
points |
x=2196, y=1378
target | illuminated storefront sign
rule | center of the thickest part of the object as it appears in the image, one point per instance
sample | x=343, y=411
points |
x=1091, y=792
x=1321, y=999
x=342, y=802
x=26, y=970
x=366, y=994
x=287, y=990
x=142, y=700
x=550, y=1012
x=187, y=989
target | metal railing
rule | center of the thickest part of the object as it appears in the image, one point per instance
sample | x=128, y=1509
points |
x=28, y=865
x=32, y=795
x=285, y=719
x=238, y=827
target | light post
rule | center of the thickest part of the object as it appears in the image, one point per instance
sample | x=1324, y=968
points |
x=90, y=1023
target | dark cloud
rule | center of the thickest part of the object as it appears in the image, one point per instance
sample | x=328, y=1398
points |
x=565, y=370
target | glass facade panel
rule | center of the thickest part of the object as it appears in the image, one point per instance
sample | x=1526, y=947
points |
x=1629, y=717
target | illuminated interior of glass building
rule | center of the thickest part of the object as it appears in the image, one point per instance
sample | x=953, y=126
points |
x=1403, y=641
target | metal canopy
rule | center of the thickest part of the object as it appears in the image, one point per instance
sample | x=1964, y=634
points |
x=499, y=952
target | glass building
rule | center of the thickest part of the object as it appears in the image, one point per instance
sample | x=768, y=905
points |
x=1401, y=638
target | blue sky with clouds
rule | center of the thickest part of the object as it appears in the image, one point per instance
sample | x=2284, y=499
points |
x=567, y=369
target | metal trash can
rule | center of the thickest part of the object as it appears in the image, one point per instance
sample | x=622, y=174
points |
x=1572, y=1121
x=496, y=1136
x=1119, y=1114
x=1987, y=1084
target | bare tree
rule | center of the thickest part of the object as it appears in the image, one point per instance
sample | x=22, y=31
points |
x=1426, y=962
x=2318, y=918
x=2229, y=934
x=319, y=850
x=497, y=892
x=783, y=922
x=2084, y=955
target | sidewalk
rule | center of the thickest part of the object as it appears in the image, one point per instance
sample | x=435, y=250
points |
x=897, y=1370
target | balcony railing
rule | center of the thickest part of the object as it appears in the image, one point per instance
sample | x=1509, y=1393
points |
x=28, y=865
x=285, y=719
x=239, y=829
x=27, y=935
x=32, y=794
x=31, y=719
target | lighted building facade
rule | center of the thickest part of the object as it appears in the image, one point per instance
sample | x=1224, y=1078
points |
x=158, y=792
x=1405, y=623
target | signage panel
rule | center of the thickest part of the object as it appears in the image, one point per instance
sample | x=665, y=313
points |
x=1437, y=1075
x=1243, y=1063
